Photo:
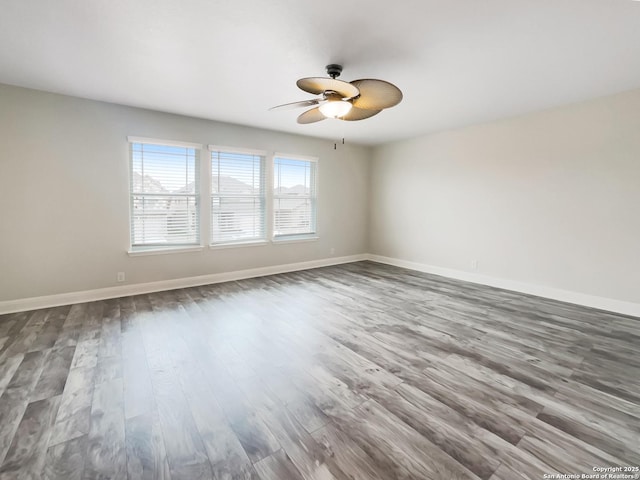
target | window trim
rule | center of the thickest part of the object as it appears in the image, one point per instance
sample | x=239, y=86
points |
x=164, y=143
x=164, y=251
x=301, y=238
x=247, y=151
x=293, y=156
x=159, y=249
x=253, y=243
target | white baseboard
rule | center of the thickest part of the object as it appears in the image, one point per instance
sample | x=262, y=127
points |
x=23, y=304
x=602, y=303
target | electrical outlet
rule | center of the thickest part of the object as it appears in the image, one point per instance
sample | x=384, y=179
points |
x=474, y=264
x=120, y=276
x=332, y=251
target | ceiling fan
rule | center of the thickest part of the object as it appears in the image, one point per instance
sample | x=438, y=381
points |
x=349, y=101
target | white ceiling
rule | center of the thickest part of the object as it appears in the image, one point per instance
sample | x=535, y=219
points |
x=458, y=62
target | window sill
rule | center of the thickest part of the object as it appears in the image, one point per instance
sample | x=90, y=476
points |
x=164, y=251
x=221, y=246
x=292, y=239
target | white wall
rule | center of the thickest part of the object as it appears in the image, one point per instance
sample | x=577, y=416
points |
x=64, y=204
x=549, y=199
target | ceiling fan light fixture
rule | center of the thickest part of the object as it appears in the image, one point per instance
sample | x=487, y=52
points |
x=335, y=108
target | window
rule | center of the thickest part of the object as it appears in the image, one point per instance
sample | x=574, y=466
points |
x=238, y=200
x=294, y=197
x=246, y=187
x=164, y=194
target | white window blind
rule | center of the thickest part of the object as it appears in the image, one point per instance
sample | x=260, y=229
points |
x=164, y=195
x=238, y=203
x=294, y=197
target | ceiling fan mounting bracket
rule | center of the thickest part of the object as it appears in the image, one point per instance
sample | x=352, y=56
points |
x=334, y=70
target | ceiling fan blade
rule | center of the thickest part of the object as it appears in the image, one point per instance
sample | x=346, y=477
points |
x=311, y=116
x=376, y=94
x=292, y=105
x=359, y=114
x=318, y=85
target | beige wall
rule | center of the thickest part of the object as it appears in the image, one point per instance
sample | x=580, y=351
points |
x=550, y=199
x=64, y=195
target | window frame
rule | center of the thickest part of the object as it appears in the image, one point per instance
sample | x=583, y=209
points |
x=264, y=163
x=295, y=237
x=204, y=211
x=159, y=248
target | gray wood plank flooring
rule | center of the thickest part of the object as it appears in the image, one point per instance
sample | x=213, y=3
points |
x=354, y=372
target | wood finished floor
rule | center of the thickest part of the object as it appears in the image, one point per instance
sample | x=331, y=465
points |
x=358, y=372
